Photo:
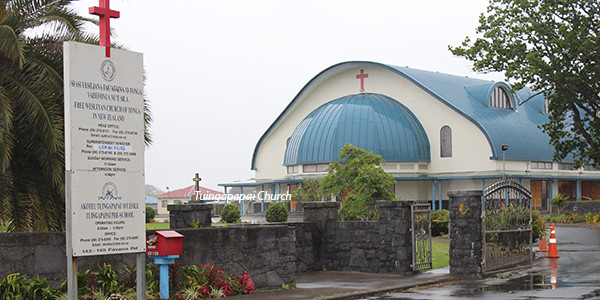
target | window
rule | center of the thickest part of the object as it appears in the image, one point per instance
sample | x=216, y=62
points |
x=446, y=142
x=500, y=98
x=312, y=168
x=309, y=168
x=540, y=165
x=293, y=169
x=390, y=167
x=590, y=168
x=566, y=166
x=406, y=166
x=322, y=167
x=164, y=203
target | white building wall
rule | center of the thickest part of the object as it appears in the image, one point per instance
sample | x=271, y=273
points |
x=413, y=190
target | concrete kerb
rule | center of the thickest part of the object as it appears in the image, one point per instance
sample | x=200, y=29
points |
x=435, y=281
x=391, y=289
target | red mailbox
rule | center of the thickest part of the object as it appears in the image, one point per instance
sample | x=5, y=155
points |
x=164, y=243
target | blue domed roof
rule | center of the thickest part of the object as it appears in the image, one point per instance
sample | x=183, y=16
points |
x=374, y=122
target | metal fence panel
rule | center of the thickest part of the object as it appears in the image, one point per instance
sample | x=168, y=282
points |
x=507, y=226
x=421, y=236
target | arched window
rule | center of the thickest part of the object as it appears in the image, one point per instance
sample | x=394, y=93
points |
x=446, y=142
x=500, y=98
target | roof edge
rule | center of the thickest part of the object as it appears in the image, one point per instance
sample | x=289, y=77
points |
x=391, y=68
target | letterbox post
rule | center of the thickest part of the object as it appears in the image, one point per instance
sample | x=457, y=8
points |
x=164, y=247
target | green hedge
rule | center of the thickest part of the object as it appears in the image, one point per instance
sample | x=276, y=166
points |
x=439, y=222
x=230, y=213
x=277, y=212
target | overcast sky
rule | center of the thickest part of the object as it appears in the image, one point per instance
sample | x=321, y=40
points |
x=219, y=72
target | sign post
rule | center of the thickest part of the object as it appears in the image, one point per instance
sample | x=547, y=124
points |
x=104, y=152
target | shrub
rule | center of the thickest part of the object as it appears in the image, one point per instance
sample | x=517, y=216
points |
x=538, y=227
x=353, y=209
x=559, y=202
x=5, y=225
x=276, y=212
x=150, y=214
x=230, y=213
x=565, y=218
x=592, y=218
x=208, y=281
x=106, y=280
x=439, y=222
x=13, y=286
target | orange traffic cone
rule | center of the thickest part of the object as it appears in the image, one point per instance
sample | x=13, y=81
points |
x=543, y=245
x=553, y=250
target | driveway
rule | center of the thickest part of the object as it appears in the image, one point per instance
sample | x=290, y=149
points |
x=575, y=275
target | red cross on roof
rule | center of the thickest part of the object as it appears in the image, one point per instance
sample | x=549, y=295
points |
x=362, y=77
x=105, y=14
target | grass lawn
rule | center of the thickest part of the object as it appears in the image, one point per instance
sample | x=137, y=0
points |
x=157, y=226
x=440, y=253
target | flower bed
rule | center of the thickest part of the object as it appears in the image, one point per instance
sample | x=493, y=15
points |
x=202, y=282
x=210, y=282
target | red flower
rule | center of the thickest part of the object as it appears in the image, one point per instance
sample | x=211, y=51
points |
x=246, y=283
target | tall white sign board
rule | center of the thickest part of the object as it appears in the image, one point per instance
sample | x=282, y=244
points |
x=104, y=150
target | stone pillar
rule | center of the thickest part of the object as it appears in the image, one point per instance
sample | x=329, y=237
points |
x=325, y=215
x=321, y=212
x=466, y=244
x=395, y=250
x=190, y=215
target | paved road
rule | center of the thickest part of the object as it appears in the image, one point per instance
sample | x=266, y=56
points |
x=577, y=275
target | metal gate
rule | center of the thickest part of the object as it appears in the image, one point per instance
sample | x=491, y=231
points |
x=507, y=226
x=421, y=236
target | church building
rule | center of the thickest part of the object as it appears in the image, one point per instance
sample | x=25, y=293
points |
x=436, y=132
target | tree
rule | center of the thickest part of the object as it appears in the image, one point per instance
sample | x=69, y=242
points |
x=32, y=185
x=310, y=191
x=559, y=202
x=150, y=214
x=553, y=47
x=360, y=181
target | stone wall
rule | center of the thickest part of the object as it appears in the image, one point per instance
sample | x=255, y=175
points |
x=466, y=247
x=582, y=207
x=378, y=247
x=267, y=252
x=271, y=253
x=44, y=254
x=190, y=215
x=308, y=245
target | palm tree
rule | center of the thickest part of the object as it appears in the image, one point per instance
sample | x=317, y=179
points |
x=32, y=185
